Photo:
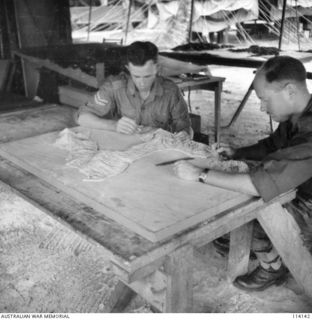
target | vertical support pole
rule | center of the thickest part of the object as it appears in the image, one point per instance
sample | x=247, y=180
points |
x=31, y=75
x=121, y=297
x=217, y=92
x=100, y=73
x=179, y=291
x=241, y=106
x=282, y=26
x=285, y=235
x=2, y=30
x=297, y=26
x=240, y=245
x=191, y=22
x=128, y=21
x=89, y=19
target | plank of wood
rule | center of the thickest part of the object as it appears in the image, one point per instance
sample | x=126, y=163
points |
x=121, y=297
x=100, y=73
x=170, y=289
x=4, y=71
x=153, y=289
x=73, y=96
x=179, y=291
x=139, y=273
x=240, y=244
x=31, y=77
x=75, y=74
x=147, y=199
x=284, y=233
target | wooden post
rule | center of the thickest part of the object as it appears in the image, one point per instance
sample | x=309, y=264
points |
x=297, y=26
x=89, y=20
x=217, y=95
x=179, y=291
x=284, y=233
x=121, y=297
x=127, y=23
x=191, y=22
x=282, y=26
x=240, y=245
x=100, y=72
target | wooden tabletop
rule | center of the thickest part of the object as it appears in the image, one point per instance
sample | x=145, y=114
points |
x=149, y=200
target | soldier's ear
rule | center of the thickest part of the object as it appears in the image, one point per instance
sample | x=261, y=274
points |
x=159, y=69
x=291, y=89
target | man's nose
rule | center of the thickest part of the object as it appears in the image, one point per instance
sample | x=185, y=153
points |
x=141, y=82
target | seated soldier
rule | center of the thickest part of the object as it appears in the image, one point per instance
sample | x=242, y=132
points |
x=285, y=162
x=137, y=100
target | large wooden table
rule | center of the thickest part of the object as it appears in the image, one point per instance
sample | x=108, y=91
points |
x=147, y=221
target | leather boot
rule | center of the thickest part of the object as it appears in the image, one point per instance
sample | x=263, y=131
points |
x=261, y=278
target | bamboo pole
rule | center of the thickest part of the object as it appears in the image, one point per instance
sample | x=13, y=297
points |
x=89, y=19
x=297, y=25
x=128, y=21
x=282, y=26
x=191, y=22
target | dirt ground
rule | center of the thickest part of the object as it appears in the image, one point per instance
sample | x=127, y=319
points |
x=43, y=270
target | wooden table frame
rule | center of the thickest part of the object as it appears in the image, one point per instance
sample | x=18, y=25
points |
x=161, y=272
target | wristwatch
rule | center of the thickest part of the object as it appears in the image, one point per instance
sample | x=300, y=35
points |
x=203, y=176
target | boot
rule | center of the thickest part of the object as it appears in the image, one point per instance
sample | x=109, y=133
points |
x=261, y=278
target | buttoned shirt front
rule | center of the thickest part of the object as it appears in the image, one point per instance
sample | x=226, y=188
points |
x=164, y=108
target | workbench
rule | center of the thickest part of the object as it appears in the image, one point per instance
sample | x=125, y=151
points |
x=155, y=263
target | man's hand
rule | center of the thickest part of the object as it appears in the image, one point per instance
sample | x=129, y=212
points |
x=127, y=126
x=225, y=151
x=145, y=129
x=186, y=171
x=183, y=136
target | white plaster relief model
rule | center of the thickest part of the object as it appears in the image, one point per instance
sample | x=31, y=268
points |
x=79, y=146
x=84, y=155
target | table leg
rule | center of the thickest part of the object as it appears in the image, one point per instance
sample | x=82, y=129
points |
x=168, y=289
x=240, y=245
x=121, y=297
x=31, y=78
x=179, y=291
x=284, y=233
x=217, y=92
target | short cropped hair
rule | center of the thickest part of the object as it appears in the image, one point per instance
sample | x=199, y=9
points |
x=281, y=68
x=139, y=52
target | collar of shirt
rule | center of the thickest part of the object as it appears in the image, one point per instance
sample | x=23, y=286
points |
x=157, y=88
x=303, y=121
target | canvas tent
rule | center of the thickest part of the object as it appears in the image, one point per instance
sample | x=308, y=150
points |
x=167, y=23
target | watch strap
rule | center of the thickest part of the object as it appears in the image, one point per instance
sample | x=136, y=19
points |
x=203, y=176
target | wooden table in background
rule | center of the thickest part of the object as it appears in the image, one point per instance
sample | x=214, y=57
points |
x=147, y=221
x=210, y=83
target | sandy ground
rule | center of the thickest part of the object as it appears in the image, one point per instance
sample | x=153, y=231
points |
x=41, y=269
